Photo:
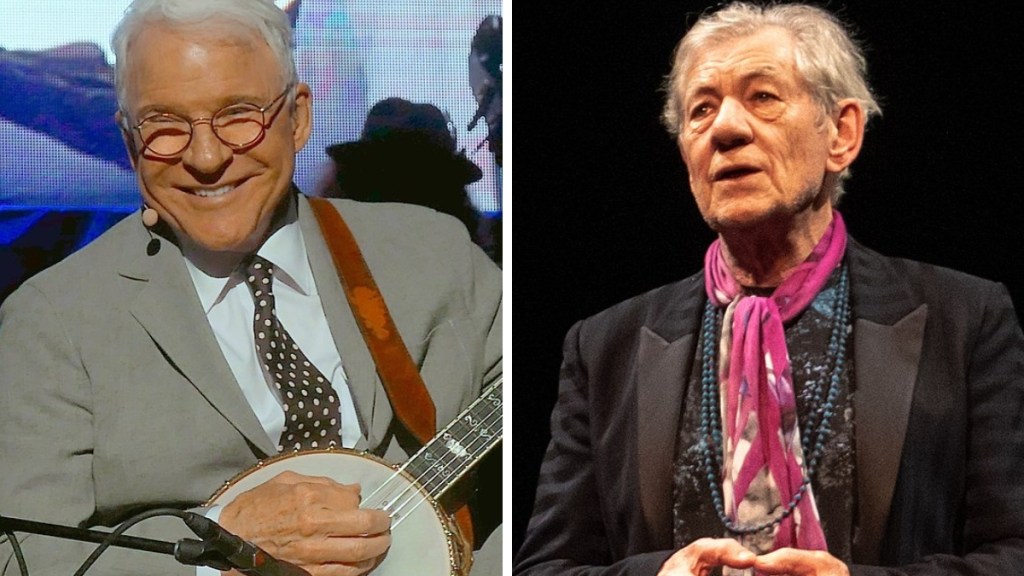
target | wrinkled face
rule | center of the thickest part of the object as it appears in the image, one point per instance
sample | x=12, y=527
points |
x=211, y=196
x=753, y=140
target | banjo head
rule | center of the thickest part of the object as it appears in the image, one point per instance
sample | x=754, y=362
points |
x=424, y=538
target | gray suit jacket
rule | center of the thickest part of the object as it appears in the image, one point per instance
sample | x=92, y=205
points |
x=938, y=413
x=115, y=397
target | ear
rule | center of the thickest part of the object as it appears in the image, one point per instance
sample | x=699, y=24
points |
x=126, y=137
x=302, y=116
x=846, y=135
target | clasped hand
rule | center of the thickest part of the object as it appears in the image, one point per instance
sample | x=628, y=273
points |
x=312, y=522
x=700, y=556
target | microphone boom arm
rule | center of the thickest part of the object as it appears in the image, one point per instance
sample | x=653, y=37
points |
x=186, y=550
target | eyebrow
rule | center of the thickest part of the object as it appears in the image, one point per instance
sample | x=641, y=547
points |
x=219, y=105
x=768, y=71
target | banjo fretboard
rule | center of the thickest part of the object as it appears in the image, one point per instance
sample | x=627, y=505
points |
x=446, y=458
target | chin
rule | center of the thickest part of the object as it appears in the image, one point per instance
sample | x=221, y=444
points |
x=241, y=246
x=229, y=242
x=742, y=218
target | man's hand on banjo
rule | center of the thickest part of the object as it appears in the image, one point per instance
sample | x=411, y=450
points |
x=312, y=522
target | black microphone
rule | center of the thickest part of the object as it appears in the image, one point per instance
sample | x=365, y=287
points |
x=244, y=556
x=490, y=90
x=200, y=553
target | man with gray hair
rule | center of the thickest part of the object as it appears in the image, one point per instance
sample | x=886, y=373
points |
x=803, y=405
x=211, y=330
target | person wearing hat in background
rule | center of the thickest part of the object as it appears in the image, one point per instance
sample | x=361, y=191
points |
x=407, y=153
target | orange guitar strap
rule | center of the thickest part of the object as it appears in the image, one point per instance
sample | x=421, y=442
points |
x=409, y=397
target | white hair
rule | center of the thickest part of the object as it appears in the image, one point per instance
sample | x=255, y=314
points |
x=224, y=17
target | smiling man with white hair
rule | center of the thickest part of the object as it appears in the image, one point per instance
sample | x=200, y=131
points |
x=211, y=330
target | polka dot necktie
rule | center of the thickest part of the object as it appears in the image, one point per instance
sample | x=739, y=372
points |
x=311, y=409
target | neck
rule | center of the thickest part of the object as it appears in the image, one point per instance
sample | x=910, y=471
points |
x=763, y=255
x=218, y=264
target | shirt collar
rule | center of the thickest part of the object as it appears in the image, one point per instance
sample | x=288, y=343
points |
x=287, y=251
x=285, y=248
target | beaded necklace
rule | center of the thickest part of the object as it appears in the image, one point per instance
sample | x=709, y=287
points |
x=815, y=429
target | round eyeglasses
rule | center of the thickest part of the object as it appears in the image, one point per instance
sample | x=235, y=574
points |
x=238, y=126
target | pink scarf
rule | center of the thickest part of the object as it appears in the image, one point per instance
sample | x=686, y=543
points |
x=762, y=437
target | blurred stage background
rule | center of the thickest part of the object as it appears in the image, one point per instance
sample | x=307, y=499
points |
x=604, y=211
x=64, y=173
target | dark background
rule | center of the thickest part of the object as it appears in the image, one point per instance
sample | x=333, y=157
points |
x=604, y=212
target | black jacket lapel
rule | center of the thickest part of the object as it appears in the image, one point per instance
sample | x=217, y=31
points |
x=888, y=338
x=664, y=360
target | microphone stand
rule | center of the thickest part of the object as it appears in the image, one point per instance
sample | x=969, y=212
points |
x=83, y=535
x=187, y=551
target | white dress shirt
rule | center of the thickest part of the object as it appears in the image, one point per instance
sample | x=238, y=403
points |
x=229, y=308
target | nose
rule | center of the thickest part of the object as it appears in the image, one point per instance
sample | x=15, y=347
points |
x=206, y=154
x=731, y=127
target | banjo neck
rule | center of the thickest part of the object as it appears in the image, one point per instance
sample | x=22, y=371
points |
x=459, y=445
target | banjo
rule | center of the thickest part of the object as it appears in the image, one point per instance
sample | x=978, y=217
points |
x=424, y=538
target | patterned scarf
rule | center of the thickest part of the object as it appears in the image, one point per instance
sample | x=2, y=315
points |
x=763, y=459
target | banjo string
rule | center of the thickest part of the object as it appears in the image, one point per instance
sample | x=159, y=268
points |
x=397, y=505
x=395, y=496
x=412, y=497
x=385, y=493
x=477, y=444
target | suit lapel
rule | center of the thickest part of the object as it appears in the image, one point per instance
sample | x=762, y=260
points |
x=888, y=338
x=169, y=310
x=371, y=403
x=664, y=358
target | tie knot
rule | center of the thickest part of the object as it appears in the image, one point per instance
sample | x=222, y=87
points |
x=259, y=274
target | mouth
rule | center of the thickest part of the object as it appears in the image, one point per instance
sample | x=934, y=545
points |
x=734, y=173
x=211, y=191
